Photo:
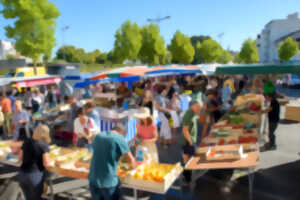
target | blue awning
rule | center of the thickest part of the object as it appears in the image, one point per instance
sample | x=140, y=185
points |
x=120, y=79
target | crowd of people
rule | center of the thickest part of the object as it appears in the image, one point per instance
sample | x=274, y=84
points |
x=163, y=122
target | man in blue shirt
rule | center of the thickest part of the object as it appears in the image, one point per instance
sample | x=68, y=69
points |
x=108, y=148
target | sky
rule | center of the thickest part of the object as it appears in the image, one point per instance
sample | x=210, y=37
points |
x=93, y=23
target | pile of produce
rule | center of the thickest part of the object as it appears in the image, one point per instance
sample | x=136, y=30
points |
x=153, y=172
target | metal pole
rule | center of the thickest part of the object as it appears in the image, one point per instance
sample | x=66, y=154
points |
x=63, y=40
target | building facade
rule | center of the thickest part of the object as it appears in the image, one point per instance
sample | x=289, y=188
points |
x=275, y=32
x=7, y=49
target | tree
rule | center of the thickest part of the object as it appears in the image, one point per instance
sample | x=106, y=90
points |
x=128, y=42
x=288, y=49
x=181, y=48
x=196, y=41
x=249, y=53
x=153, y=45
x=34, y=26
x=66, y=53
x=236, y=58
x=102, y=58
x=210, y=51
x=225, y=57
x=197, y=57
x=199, y=38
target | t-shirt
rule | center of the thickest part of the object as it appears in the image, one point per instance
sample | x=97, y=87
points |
x=190, y=120
x=108, y=148
x=33, y=151
x=6, y=105
x=274, y=114
x=17, y=117
x=145, y=132
x=149, y=105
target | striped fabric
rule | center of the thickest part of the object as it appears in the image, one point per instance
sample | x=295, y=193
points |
x=108, y=125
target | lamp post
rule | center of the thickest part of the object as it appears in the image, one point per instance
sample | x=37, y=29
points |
x=63, y=39
x=159, y=19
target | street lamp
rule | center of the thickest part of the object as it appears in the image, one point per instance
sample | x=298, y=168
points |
x=65, y=28
x=159, y=19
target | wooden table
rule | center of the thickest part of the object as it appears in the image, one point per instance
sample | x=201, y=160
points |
x=250, y=162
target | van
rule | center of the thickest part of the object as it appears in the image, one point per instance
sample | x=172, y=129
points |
x=26, y=72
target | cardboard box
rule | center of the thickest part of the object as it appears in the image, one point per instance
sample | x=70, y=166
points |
x=292, y=112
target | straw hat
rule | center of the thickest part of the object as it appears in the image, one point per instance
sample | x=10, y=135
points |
x=142, y=113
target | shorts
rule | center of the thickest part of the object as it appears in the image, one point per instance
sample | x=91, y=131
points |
x=188, y=150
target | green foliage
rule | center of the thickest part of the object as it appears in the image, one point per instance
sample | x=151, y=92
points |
x=34, y=26
x=225, y=57
x=128, y=42
x=288, y=49
x=236, y=58
x=74, y=55
x=196, y=41
x=167, y=58
x=210, y=51
x=249, y=53
x=197, y=57
x=153, y=45
x=181, y=49
x=102, y=58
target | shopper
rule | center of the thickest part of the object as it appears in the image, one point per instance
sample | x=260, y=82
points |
x=7, y=112
x=108, y=148
x=92, y=112
x=273, y=116
x=164, y=116
x=189, y=136
x=20, y=120
x=147, y=101
x=34, y=158
x=85, y=129
x=147, y=133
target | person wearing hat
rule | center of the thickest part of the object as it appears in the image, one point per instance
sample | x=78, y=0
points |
x=147, y=133
x=190, y=134
x=108, y=147
x=34, y=158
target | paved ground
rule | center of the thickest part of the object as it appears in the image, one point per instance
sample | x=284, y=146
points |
x=277, y=176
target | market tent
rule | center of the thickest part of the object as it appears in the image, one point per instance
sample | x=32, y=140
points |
x=209, y=69
x=121, y=72
x=120, y=79
x=164, y=71
x=80, y=76
x=5, y=81
x=36, y=81
x=259, y=69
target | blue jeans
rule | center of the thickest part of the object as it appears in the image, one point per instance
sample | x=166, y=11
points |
x=31, y=184
x=112, y=193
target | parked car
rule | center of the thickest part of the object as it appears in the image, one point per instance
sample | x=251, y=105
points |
x=291, y=80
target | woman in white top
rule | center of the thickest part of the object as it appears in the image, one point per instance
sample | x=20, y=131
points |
x=85, y=129
x=175, y=114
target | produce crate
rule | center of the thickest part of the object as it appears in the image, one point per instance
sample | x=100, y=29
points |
x=73, y=172
x=153, y=186
x=292, y=112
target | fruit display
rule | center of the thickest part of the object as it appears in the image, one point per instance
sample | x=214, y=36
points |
x=153, y=172
x=153, y=177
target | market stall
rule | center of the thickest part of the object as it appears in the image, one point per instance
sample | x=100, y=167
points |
x=75, y=163
x=232, y=141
